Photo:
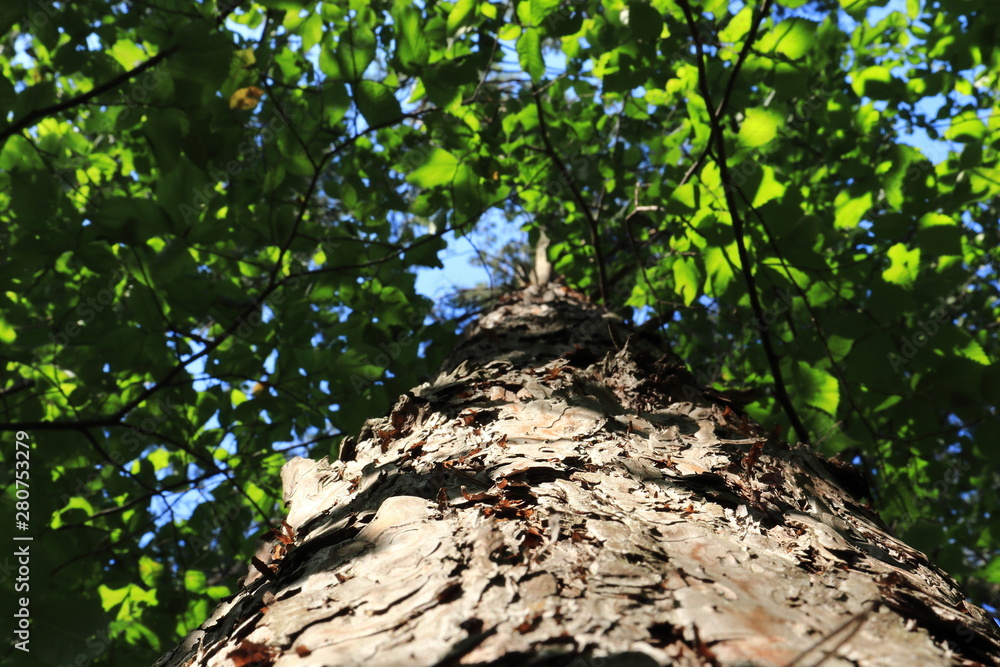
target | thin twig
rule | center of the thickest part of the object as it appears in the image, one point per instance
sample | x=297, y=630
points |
x=595, y=239
x=36, y=115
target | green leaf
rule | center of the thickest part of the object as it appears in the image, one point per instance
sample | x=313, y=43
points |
x=510, y=31
x=7, y=333
x=904, y=265
x=540, y=9
x=468, y=194
x=129, y=220
x=973, y=351
x=719, y=265
x=96, y=257
x=461, y=14
x=815, y=387
x=195, y=581
x=857, y=8
x=329, y=64
x=137, y=229
x=684, y=199
x=439, y=168
x=529, y=52
x=687, y=279
x=311, y=31
x=111, y=598
x=160, y=458
x=939, y=235
x=237, y=397
x=850, y=209
x=966, y=127
x=355, y=51
x=377, y=102
x=645, y=22
x=759, y=127
x=768, y=188
x=412, y=47
x=426, y=250
x=33, y=196
x=150, y=571
x=874, y=82
x=792, y=38
x=738, y=26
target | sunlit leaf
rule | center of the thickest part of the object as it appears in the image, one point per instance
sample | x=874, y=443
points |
x=529, y=51
x=817, y=387
x=412, y=46
x=759, y=127
x=437, y=169
x=904, y=264
x=687, y=279
x=850, y=209
x=792, y=38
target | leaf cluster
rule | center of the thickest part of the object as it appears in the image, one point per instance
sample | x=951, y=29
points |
x=211, y=216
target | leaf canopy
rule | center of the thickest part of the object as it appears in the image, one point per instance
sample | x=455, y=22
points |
x=211, y=215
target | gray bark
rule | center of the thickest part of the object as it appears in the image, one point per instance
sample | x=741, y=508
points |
x=564, y=494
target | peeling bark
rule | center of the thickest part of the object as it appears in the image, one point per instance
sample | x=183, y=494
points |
x=565, y=494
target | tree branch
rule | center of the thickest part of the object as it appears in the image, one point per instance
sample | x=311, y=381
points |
x=738, y=226
x=36, y=115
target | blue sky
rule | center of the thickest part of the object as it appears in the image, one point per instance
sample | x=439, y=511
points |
x=459, y=270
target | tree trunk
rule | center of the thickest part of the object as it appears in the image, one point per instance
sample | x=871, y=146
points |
x=564, y=494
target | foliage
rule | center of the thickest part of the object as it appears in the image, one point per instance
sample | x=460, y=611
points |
x=211, y=216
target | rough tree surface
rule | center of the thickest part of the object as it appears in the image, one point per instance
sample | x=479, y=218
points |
x=563, y=494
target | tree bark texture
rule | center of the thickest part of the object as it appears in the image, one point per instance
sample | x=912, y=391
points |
x=563, y=493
